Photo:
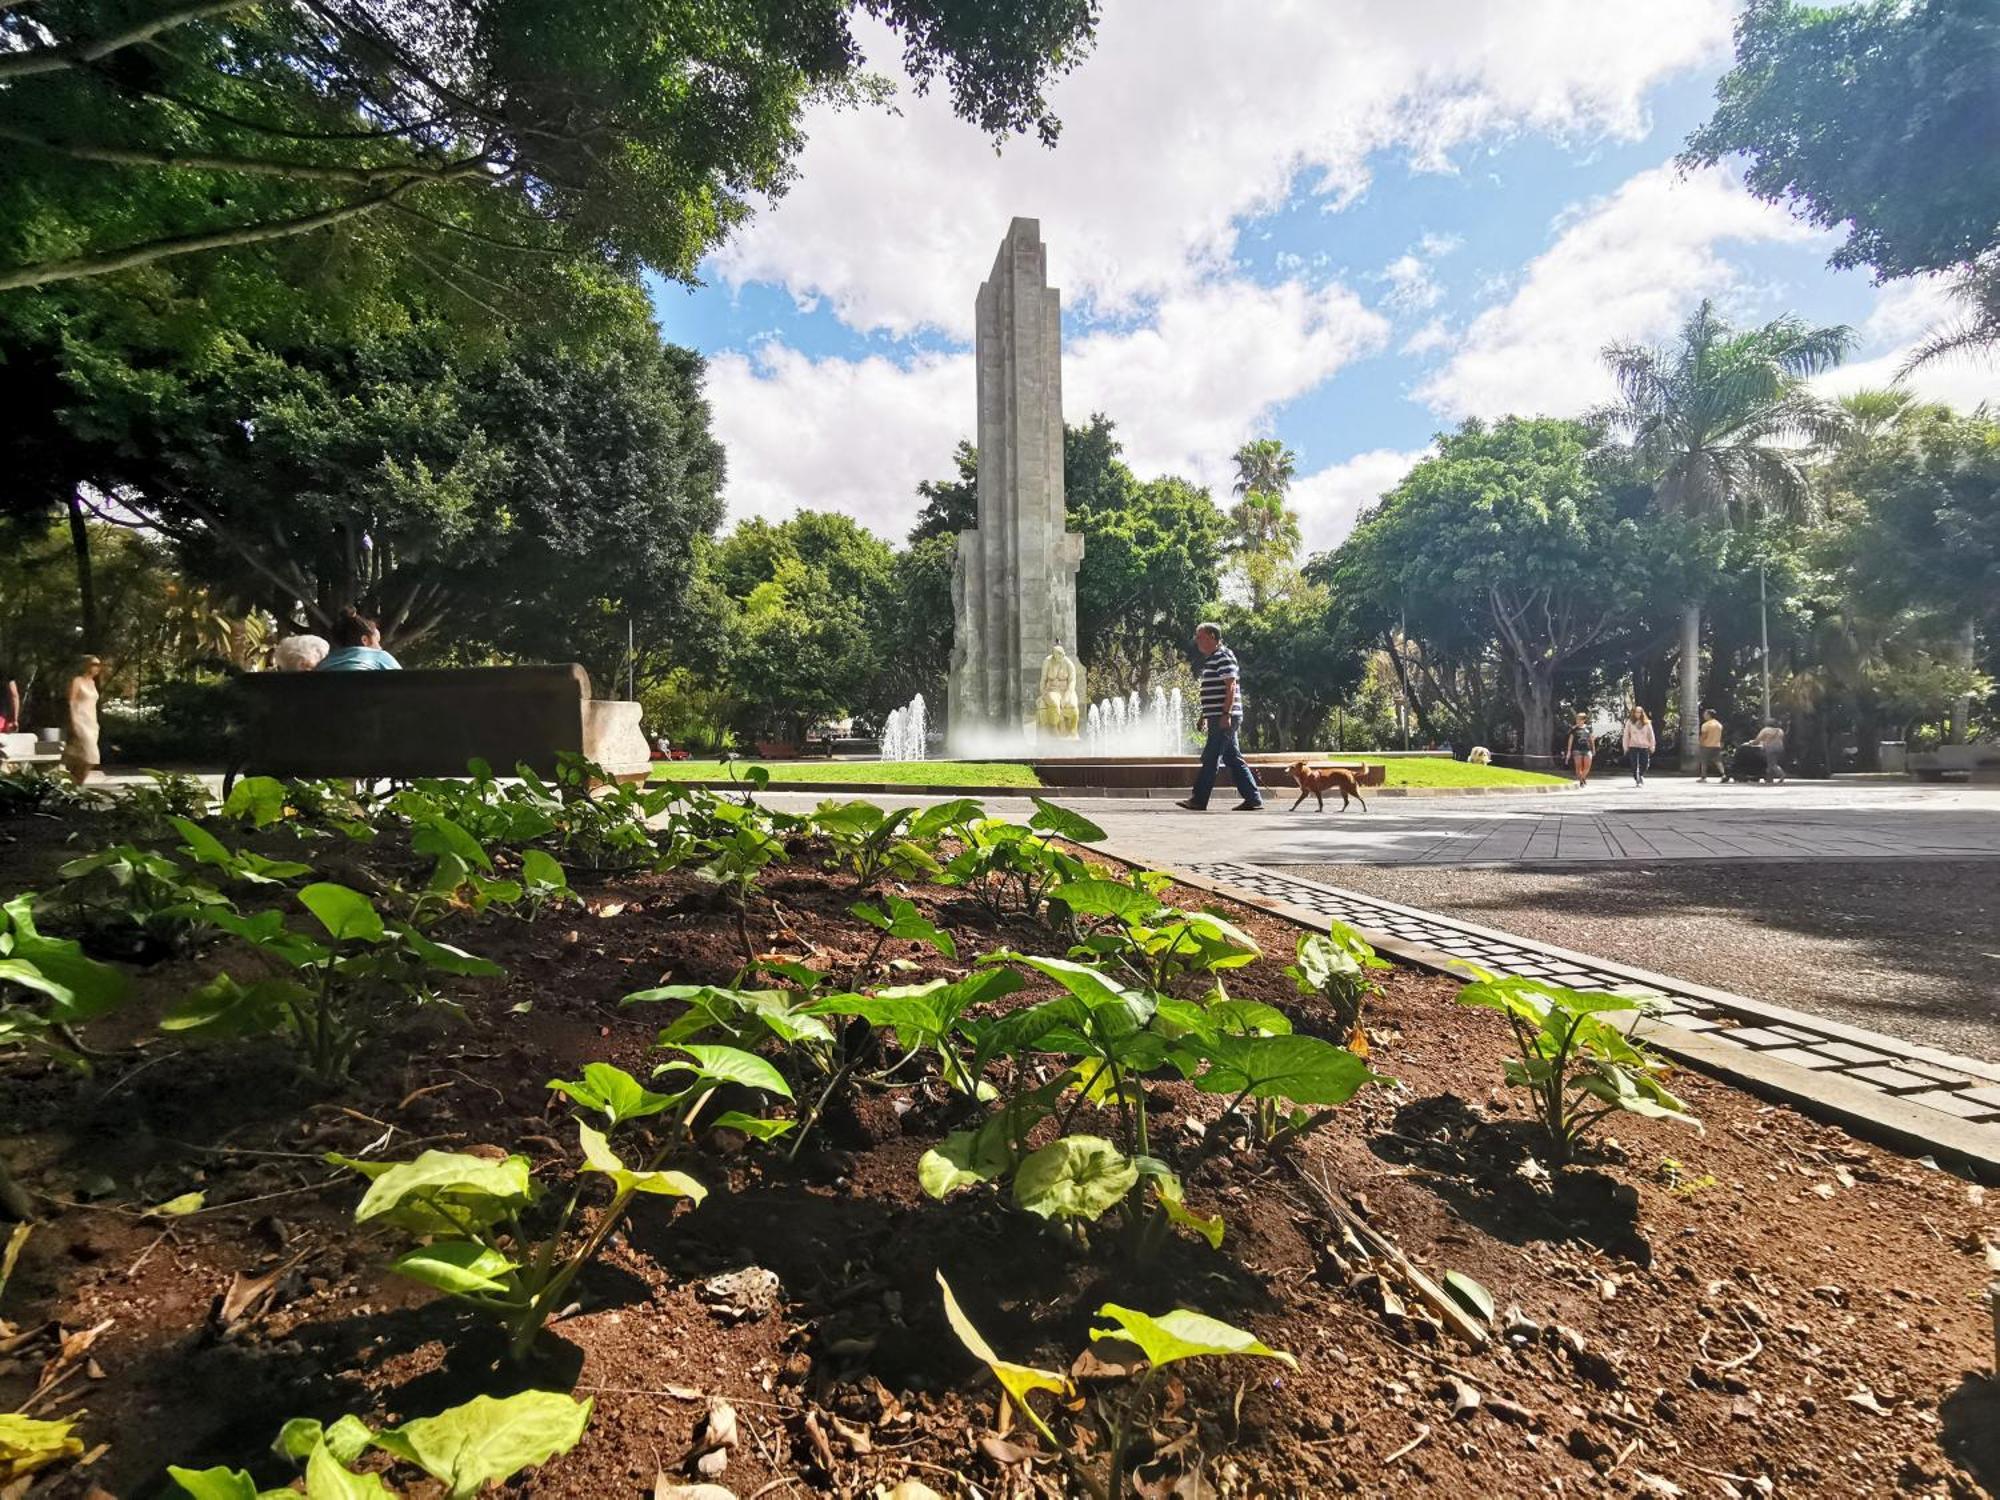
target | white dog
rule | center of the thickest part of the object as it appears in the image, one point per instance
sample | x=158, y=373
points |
x=1479, y=755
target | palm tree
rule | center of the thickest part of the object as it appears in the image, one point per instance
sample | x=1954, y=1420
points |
x=1723, y=421
x=1977, y=290
x=1265, y=466
x=1266, y=534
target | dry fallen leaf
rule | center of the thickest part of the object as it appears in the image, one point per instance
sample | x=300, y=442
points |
x=1003, y=1452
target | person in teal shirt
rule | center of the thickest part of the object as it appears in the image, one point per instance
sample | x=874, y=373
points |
x=357, y=646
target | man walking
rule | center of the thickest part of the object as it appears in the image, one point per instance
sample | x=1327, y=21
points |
x=1221, y=717
x=1711, y=744
x=1771, y=740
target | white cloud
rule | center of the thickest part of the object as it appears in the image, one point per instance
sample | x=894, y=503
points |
x=1186, y=389
x=1626, y=267
x=837, y=434
x=1211, y=368
x=1433, y=336
x=1329, y=500
x=1187, y=119
x=1412, y=288
x=1904, y=312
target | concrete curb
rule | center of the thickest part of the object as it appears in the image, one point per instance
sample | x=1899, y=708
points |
x=1868, y=1113
x=1065, y=793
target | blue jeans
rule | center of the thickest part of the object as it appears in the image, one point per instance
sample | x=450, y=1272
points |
x=1641, y=759
x=1220, y=750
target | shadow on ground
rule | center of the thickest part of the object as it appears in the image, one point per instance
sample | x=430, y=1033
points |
x=1901, y=946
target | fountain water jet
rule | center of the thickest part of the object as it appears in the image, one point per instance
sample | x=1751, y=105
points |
x=903, y=733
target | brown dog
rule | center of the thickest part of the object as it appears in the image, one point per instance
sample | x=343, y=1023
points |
x=1316, y=782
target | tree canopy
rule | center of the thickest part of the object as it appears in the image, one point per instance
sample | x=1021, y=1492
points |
x=1505, y=540
x=1878, y=117
x=629, y=132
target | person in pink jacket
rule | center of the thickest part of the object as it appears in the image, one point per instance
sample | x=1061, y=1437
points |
x=1639, y=743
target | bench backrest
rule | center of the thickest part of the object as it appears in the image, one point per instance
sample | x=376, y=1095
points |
x=418, y=723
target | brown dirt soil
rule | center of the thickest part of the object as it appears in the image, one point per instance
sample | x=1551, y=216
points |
x=1763, y=1306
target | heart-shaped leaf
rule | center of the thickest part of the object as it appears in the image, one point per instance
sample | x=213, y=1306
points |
x=460, y=1267
x=1076, y=1177
x=612, y=1092
x=488, y=1439
x=1180, y=1335
x=599, y=1157
x=346, y=914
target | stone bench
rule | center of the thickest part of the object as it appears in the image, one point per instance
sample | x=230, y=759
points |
x=26, y=750
x=1979, y=763
x=402, y=725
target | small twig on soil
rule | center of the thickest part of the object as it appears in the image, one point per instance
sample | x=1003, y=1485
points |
x=1423, y=1436
x=147, y=1253
x=133, y=1073
x=776, y=1484
x=1627, y=1453
x=625, y=1390
x=1757, y=1348
x=476, y=1083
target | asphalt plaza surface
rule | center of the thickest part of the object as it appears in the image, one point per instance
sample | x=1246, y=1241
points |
x=1609, y=821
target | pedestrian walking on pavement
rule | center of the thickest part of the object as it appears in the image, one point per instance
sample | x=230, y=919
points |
x=1771, y=740
x=1222, y=718
x=1640, y=743
x=1710, y=751
x=1580, y=749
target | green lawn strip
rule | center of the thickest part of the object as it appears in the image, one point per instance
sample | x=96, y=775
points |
x=1422, y=772
x=1428, y=771
x=839, y=772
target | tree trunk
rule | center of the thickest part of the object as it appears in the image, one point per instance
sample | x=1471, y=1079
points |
x=1535, y=694
x=1690, y=730
x=1961, y=710
x=1655, y=684
x=1721, y=690
x=1867, y=739
x=86, y=586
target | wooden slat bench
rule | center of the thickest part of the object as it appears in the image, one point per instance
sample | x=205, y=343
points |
x=400, y=725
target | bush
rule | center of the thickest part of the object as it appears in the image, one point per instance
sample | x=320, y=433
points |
x=193, y=721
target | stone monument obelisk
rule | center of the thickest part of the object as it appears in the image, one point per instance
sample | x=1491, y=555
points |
x=1014, y=578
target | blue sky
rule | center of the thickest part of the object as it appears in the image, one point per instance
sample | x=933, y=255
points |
x=1343, y=224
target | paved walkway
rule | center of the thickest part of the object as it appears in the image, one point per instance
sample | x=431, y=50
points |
x=1958, y=1089
x=1612, y=820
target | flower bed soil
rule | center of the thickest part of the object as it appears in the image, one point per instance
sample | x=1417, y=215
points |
x=1763, y=1307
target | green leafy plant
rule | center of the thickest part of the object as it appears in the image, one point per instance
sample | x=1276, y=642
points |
x=1577, y=1066
x=342, y=986
x=1162, y=1340
x=544, y=885
x=484, y=1240
x=736, y=858
x=466, y=1448
x=1008, y=866
x=135, y=904
x=48, y=985
x=1332, y=967
x=902, y=922
x=28, y=1445
x=166, y=795
x=243, y=866
x=1159, y=945
x=870, y=841
x=600, y=824
x=33, y=790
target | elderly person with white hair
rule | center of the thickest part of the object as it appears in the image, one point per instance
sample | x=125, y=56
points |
x=299, y=653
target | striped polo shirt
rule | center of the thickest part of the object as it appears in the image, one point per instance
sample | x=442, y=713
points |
x=1216, y=673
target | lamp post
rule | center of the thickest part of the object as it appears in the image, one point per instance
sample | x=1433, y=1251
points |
x=1764, y=639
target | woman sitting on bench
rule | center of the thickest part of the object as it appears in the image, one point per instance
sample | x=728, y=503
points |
x=357, y=646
